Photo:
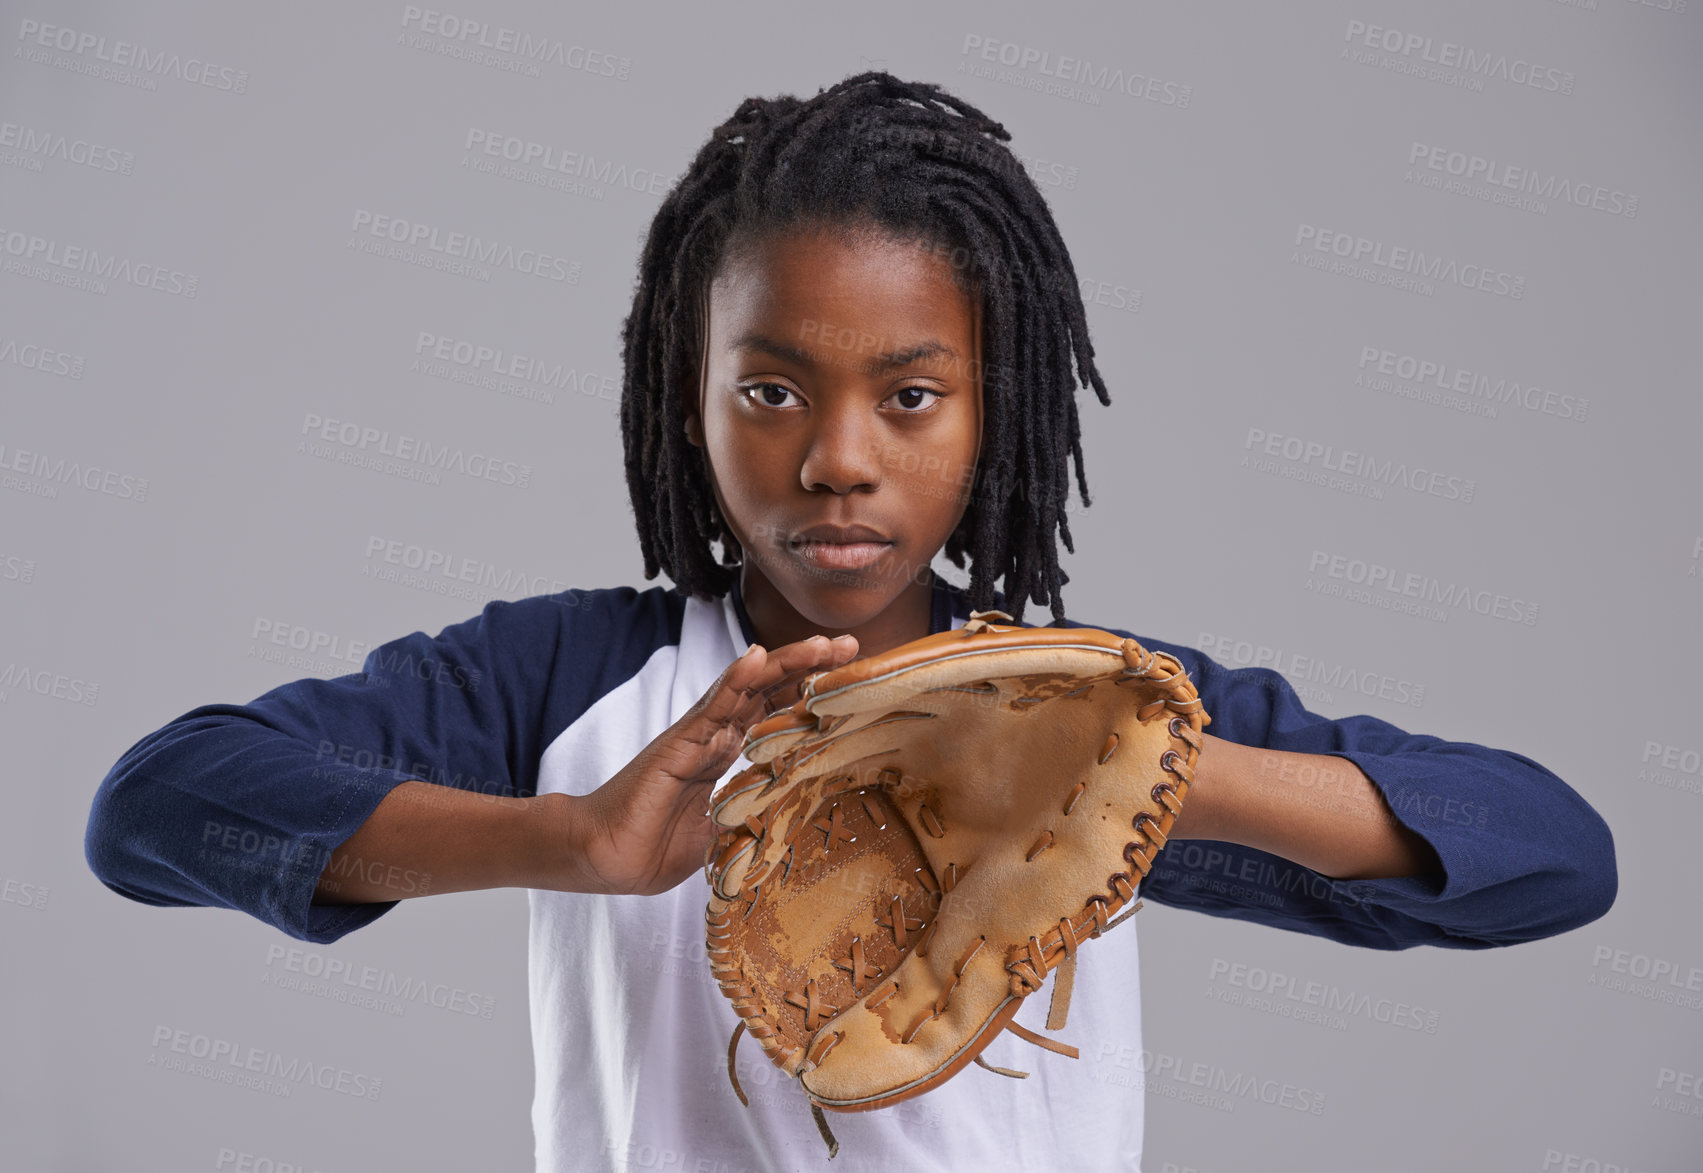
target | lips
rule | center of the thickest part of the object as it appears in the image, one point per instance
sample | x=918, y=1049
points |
x=841, y=547
x=839, y=534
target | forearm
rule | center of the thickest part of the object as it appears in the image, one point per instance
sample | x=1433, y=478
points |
x=1318, y=810
x=425, y=839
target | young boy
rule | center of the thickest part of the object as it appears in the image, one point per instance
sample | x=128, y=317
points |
x=855, y=344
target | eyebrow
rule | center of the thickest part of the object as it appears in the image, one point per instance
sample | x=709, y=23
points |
x=893, y=359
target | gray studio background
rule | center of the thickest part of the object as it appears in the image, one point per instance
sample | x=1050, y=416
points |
x=215, y=544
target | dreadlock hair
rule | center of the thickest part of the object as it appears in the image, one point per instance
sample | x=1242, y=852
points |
x=908, y=159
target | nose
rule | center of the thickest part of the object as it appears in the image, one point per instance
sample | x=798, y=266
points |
x=844, y=454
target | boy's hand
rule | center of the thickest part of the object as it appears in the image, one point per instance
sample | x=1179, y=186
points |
x=647, y=828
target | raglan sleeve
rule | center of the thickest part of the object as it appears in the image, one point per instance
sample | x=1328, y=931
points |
x=242, y=806
x=1522, y=855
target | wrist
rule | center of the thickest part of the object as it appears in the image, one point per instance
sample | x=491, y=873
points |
x=555, y=858
x=549, y=844
x=1199, y=819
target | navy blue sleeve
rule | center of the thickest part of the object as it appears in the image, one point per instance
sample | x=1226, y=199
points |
x=1522, y=855
x=242, y=806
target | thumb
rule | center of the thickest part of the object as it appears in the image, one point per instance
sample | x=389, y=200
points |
x=711, y=734
x=735, y=698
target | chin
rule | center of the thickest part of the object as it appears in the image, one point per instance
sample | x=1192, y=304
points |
x=841, y=592
x=839, y=600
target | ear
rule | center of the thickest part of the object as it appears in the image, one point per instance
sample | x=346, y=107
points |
x=694, y=425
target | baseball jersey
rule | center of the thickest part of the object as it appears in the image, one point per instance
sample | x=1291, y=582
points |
x=557, y=693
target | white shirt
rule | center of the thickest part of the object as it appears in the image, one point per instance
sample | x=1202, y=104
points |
x=630, y=1032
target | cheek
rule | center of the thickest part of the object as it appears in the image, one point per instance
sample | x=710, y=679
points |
x=916, y=467
x=750, y=473
x=747, y=460
x=734, y=447
x=935, y=467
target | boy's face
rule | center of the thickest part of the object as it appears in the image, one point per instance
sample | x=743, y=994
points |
x=840, y=389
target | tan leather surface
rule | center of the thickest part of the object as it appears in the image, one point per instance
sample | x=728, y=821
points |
x=970, y=746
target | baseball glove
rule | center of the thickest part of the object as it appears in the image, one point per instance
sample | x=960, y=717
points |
x=926, y=836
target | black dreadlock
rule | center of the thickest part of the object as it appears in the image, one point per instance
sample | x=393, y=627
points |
x=918, y=163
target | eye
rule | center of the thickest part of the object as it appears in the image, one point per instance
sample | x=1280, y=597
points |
x=922, y=407
x=765, y=393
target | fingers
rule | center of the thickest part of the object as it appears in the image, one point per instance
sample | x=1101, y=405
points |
x=700, y=746
x=801, y=659
x=755, y=684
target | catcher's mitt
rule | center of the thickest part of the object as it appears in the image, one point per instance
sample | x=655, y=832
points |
x=926, y=835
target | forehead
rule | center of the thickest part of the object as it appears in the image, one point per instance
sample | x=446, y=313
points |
x=802, y=280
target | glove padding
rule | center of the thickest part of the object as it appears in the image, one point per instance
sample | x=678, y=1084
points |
x=927, y=835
